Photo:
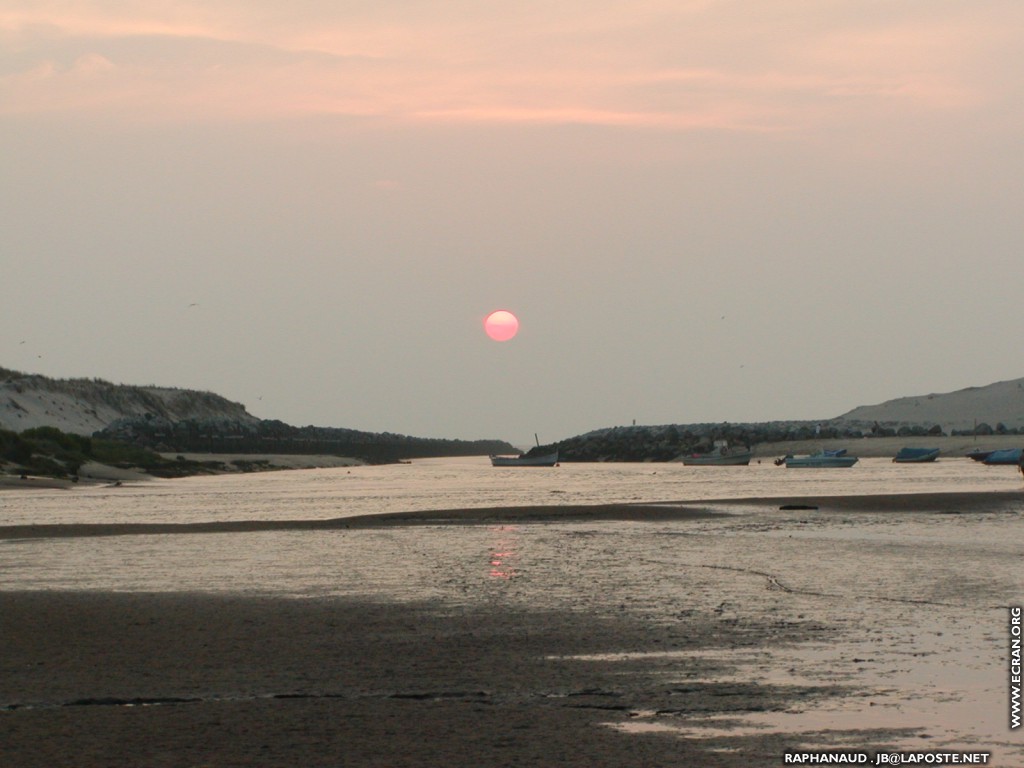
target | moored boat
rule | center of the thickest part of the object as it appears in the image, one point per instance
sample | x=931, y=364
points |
x=916, y=455
x=720, y=457
x=1007, y=456
x=979, y=454
x=525, y=460
x=819, y=461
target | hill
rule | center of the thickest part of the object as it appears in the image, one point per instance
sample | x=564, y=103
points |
x=962, y=410
x=996, y=409
x=172, y=420
x=85, y=406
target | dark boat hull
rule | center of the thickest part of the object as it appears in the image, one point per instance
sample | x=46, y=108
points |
x=916, y=455
x=716, y=460
x=548, y=460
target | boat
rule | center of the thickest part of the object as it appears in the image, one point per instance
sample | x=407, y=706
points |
x=525, y=460
x=1007, y=456
x=916, y=455
x=979, y=454
x=719, y=458
x=823, y=460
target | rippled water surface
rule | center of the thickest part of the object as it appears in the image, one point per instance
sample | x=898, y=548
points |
x=472, y=482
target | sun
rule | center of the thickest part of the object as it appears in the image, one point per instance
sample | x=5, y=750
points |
x=501, y=325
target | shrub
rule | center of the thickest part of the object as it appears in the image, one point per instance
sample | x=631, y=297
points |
x=13, y=448
x=63, y=440
x=115, y=452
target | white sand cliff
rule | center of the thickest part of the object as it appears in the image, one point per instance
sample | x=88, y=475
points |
x=84, y=406
x=999, y=403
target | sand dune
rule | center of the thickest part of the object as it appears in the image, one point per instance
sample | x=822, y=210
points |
x=1002, y=402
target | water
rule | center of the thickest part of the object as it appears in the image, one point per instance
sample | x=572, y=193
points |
x=917, y=601
x=471, y=483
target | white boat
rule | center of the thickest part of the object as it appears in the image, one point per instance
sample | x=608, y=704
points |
x=820, y=461
x=523, y=460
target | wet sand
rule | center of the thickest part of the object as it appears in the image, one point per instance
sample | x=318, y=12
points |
x=189, y=679
x=185, y=680
x=950, y=503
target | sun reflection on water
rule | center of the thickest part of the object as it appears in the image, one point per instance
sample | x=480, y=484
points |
x=503, y=553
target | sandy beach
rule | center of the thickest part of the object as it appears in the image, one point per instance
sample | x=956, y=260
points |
x=187, y=679
x=95, y=473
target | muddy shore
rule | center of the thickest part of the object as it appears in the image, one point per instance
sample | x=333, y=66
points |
x=183, y=680
x=138, y=679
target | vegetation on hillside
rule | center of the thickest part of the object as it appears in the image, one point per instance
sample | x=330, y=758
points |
x=271, y=436
x=140, y=423
x=164, y=420
x=49, y=452
x=671, y=441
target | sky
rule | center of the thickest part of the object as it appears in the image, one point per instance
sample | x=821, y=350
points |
x=699, y=210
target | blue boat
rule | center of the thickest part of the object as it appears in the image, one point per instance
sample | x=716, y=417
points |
x=916, y=455
x=979, y=454
x=824, y=460
x=1008, y=456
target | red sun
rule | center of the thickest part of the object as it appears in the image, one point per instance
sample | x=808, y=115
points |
x=501, y=325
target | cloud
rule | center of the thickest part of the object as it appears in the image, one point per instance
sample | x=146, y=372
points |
x=782, y=66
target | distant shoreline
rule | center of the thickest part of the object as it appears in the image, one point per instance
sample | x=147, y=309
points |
x=274, y=460
x=887, y=447
x=92, y=473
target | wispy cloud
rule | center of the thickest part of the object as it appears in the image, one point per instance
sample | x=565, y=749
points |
x=784, y=66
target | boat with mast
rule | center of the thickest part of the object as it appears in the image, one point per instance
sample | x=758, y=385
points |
x=526, y=459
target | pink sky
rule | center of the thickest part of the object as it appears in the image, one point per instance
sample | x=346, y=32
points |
x=775, y=66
